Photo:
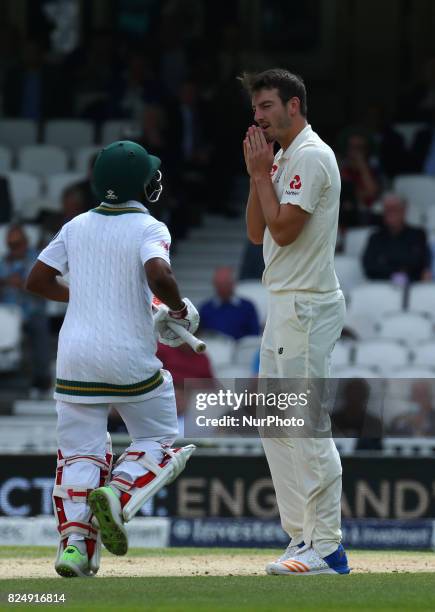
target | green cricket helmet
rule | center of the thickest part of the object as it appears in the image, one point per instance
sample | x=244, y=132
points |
x=123, y=170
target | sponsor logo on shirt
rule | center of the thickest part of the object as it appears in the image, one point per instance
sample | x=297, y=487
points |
x=294, y=186
x=274, y=169
x=296, y=182
x=165, y=245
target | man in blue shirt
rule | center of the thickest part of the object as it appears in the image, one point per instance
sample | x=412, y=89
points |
x=227, y=313
x=14, y=269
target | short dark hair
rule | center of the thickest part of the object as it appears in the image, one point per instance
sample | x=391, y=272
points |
x=289, y=85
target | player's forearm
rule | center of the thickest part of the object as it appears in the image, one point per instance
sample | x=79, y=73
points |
x=255, y=222
x=281, y=230
x=54, y=290
x=164, y=286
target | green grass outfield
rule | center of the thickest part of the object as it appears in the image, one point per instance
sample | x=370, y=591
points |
x=377, y=591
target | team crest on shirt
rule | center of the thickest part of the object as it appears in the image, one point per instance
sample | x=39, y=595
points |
x=111, y=195
x=165, y=245
x=274, y=169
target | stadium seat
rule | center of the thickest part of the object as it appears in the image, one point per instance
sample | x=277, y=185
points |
x=10, y=337
x=349, y=272
x=3, y=246
x=69, y=133
x=254, y=291
x=42, y=160
x=422, y=298
x=5, y=160
x=82, y=157
x=419, y=191
x=16, y=133
x=25, y=189
x=367, y=303
x=56, y=184
x=245, y=350
x=408, y=131
x=424, y=354
x=409, y=327
x=231, y=371
x=430, y=219
x=376, y=297
x=33, y=233
x=220, y=349
x=118, y=129
x=345, y=446
x=356, y=372
x=382, y=354
x=413, y=372
x=356, y=240
x=341, y=355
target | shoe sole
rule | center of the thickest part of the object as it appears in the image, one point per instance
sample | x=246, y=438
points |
x=275, y=571
x=113, y=537
x=67, y=570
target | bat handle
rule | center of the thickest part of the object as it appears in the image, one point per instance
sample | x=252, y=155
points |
x=197, y=345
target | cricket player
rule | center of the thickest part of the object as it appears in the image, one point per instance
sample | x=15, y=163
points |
x=116, y=256
x=292, y=210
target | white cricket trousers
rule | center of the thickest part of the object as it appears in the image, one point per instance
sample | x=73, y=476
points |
x=298, y=339
x=82, y=430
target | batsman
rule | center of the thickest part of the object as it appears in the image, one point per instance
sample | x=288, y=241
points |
x=116, y=257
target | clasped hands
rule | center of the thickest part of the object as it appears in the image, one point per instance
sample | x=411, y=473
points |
x=258, y=153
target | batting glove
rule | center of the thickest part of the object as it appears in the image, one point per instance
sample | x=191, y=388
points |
x=187, y=317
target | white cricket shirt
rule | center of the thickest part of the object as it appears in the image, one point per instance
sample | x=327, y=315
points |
x=305, y=174
x=107, y=345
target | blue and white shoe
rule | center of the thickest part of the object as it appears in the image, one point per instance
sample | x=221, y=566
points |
x=306, y=561
x=290, y=551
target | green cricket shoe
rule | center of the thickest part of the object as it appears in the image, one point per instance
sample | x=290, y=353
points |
x=106, y=508
x=73, y=564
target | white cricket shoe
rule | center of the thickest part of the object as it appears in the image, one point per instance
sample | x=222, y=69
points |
x=289, y=552
x=306, y=561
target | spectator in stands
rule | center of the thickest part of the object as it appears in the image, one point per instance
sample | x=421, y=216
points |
x=72, y=203
x=155, y=137
x=418, y=102
x=389, y=150
x=353, y=419
x=35, y=89
x=358, y=174
x=5, y=201
x=225, y=312
x=135, y=86
x=83, y=189
x=188, y=127
x=252, y=266
x=10, y=44
x=91, y=70
x=423, y=150
x=397, y=252
x=421, y=421
x=14, y=269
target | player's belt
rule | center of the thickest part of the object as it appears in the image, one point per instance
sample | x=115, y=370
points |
x=93, y=389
